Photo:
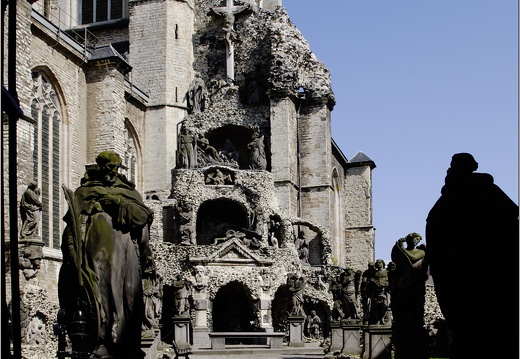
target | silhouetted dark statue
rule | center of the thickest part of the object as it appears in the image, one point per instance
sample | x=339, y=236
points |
x=408, y=283
x=474, y=221
x=105, y=251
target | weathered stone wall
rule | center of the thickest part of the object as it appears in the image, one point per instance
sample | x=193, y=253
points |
x=106, y=103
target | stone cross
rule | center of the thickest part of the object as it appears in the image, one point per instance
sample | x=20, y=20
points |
x=229, y=12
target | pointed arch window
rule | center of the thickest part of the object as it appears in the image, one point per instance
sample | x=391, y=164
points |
x=46, y=111
x=130, y=159
x=102, y=10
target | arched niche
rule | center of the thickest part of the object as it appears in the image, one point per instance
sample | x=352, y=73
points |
x=216, y=217
x=232, y=140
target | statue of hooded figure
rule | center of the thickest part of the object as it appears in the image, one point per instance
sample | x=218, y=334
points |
x=105, y=249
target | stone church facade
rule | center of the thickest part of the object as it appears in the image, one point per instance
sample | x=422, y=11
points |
x=222, y=115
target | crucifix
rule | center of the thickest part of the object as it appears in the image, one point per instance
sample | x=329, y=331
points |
x=228, y=13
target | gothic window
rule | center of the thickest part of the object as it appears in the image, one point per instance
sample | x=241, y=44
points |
x=337, y=222
x=130, y=157
x=102, y=10
x=45, y=110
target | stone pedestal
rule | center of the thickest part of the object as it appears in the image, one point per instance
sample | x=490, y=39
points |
x=336, y=337
x=181, y=330
x=201, y=337
x=149, y=343
x=411, y=344
x=296, y=331
x=352, y=339
x=377, y=342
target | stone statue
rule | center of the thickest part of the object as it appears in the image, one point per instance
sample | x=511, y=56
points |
x=366, y=276
x=379, y=296
x=228, y=13
x=474, y=221
x=229, y=151
x=196, y=95
x=181, y=297
x=314, y=325
x=152, y=294
x=408, y=283
x=185, y=223
x=30, y=211
x=29, y=260
x=105, y=250
x=200, y=278
x=187, y=153
x=208, y=153
x=296, y=285
x=265, y=279
x=257, y=159
x=336, y=287
x=349, y=295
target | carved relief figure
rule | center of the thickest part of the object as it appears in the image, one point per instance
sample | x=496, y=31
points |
x=185, y=224
x=217, y=177
x=107, y=255
x=30, y=211
x=29, y=260
x=257, y=159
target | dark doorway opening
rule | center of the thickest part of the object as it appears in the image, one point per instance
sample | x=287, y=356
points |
x=235, y=310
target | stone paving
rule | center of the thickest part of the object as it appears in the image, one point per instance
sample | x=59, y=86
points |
x=308, y=351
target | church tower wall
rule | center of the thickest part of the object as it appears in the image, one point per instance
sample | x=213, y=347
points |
x=359, y=231
x=161, y=53
x=284, y=149
x=316, y=164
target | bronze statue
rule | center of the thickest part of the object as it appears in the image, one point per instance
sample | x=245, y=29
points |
x=105, y=251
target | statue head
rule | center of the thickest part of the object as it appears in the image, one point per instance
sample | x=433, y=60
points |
x=109, y=163
x=463, y=163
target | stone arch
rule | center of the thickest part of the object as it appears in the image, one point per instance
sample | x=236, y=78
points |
x=322, y=310
x=215, y=217
x=280, y=306
x=317, y=240
x=234, y=309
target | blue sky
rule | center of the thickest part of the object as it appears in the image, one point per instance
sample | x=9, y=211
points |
x=415, y=82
